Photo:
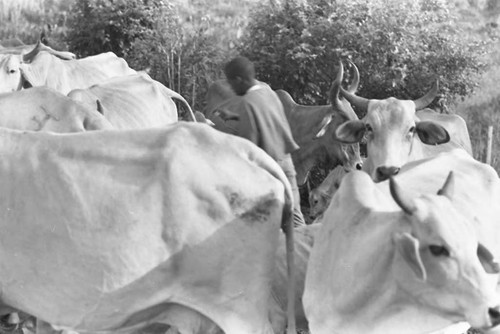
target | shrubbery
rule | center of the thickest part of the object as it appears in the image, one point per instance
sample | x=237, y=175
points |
x=102, y=25
x=27, y=20
x=400, y=47
x=150, y=36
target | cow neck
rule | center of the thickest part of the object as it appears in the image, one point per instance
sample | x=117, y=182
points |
x=304, y=121
x=376, y=303
x=369, y=251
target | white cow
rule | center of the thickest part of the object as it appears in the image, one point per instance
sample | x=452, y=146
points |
x=134, y=101
x=104, y=231
x=390, y=260
x=42, y=68
x=189, y=321
x=396, y=133
x=320, y=197
x=44, y=109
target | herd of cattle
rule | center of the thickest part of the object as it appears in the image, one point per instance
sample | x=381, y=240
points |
x=119, y=212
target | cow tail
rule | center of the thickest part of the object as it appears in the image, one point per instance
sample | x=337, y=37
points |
x=287, y=225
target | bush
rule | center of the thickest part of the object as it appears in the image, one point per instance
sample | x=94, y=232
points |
x=400, y=47
x=481, y=110
x=114, y=25
x=150, y=36
x=27, y=20
x=187, y=61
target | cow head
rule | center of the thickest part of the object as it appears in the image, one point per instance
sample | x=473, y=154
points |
x=17, y=71
x=320, y=197
x=439, y=262
x=13, y=68
x=337, y=152
x=10, y=73
x=392, y=132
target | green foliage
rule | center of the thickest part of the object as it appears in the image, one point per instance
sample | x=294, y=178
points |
x=400, y=47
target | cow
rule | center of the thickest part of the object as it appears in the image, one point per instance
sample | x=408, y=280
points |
x=105, y=230
x=44, y=109
x=398, y=262
x=188, y=321
x=320, y=197
x=456, y=127
x=396, y=133
x=477, y=189
x=477, y=192
x=134, y=101
x=312, y=126
x=41, y=68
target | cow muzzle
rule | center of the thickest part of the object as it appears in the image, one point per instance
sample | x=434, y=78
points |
x=383, y=173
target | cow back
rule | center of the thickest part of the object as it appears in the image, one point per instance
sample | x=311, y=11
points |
x=132, y=102
x=65, y=75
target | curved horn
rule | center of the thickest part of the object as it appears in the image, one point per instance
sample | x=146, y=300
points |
x=336, y=85
x=448, y=187
x=359, y=102
x=338, y=105
x=400, y=197
x=32, y=54
x=425, y=100
x=353, y=87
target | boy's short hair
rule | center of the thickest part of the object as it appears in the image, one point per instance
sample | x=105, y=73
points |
x=240, y=67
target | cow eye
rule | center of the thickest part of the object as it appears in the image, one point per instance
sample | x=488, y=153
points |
x=368, y=127
x=412, y=129
x=12, y=71
x=439, y=250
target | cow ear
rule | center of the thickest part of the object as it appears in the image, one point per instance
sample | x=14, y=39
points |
x=490, y=265
x=431, y=133
x=32, y=75
x=324, y=125
x=350, y=132
x=408, y=246
x=100, y=108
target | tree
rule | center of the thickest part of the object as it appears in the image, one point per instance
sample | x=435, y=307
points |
x=400, y=47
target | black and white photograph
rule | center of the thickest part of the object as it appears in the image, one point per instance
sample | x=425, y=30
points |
x=249, y=167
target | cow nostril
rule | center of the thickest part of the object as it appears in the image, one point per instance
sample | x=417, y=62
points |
x=494, y=313
x=359, y=166
x=381, y=176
